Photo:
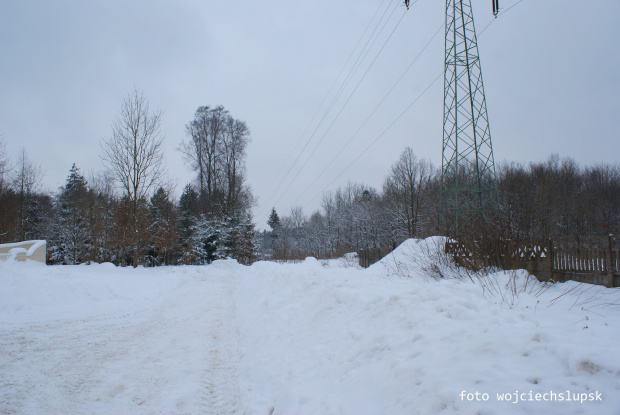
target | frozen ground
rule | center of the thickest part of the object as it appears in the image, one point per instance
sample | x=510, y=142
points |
x=309, y=338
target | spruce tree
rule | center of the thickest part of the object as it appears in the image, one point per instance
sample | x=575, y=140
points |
x=274, y=222
x=73, y=236
x=162, y=232
x=187, y=222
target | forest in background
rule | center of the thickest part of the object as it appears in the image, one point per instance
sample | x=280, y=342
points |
x=128, y=214
x=554, y=198
x=87, y=220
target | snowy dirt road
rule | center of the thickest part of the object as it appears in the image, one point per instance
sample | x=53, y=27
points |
x=172, y=354
x=317, y=337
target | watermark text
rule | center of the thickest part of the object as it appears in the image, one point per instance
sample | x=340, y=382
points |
x=531, y=396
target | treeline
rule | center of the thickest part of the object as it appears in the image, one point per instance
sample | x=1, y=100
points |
x=128, y=215
x=22, y=206
x=85, y=221
x=547, y=199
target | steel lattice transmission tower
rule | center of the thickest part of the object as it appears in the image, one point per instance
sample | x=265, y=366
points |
x=469, y=190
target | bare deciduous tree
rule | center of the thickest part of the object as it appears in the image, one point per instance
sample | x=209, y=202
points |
x=27, y=177
x=4, y=165
x=234, y=141
x=198, y=150
x=216, y=151
x=404, y=189
x=7, y=198
x=134, y=155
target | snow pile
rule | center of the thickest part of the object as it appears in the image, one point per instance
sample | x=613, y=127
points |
x=417, y=258
x=349, y=341
x=309, y=338
x=349, y=260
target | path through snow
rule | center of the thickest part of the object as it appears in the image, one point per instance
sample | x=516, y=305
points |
x=173, y=354
x=305, y=339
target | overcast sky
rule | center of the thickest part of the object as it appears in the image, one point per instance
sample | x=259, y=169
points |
x=550, y=72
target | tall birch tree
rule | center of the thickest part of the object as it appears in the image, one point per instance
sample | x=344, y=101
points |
x=134, y=155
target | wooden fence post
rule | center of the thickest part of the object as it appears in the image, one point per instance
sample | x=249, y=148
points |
x=551, y=259
x=608, y=262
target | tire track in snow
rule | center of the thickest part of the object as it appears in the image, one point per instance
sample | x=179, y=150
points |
x=53, y=365
x=220, y=394
x=177, y=356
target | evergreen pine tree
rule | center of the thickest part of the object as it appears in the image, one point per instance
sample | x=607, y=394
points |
x=212, y=239
x=101, y=224
x=162, y=233
x=73, y=242
x=187, y=222
x=274, y=222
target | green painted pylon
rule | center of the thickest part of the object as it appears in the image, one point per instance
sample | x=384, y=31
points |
x=468, y=180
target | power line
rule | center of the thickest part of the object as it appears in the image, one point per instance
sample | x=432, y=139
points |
x=371, y=114
x=361, y=56
x=331, y=88
x=341, y=110
x=506, y=11
x=367, y=49
x=352, y=69
x=392, y=123
x=500, y=14
x=376, y=139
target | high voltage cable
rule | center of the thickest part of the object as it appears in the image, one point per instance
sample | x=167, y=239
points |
x=275, y=191
x=371, y=114
x=392, y=123
x=376, y=139
x=500, y=14
x=347, y=79
x=330, y=89
x=366, y=49
x=383, y=133
x=352, y=71
x=506, y=11
x=340, y=112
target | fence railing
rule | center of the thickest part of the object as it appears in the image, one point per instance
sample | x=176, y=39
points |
x=592, y=259
x=369, y=256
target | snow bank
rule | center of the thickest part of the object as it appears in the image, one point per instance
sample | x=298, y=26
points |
x=368, y=342
x=314, y=338
x=415, y=258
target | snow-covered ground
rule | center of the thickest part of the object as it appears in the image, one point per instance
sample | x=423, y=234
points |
x=317, y=337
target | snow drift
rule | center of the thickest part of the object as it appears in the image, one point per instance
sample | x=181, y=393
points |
x=315, y=337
